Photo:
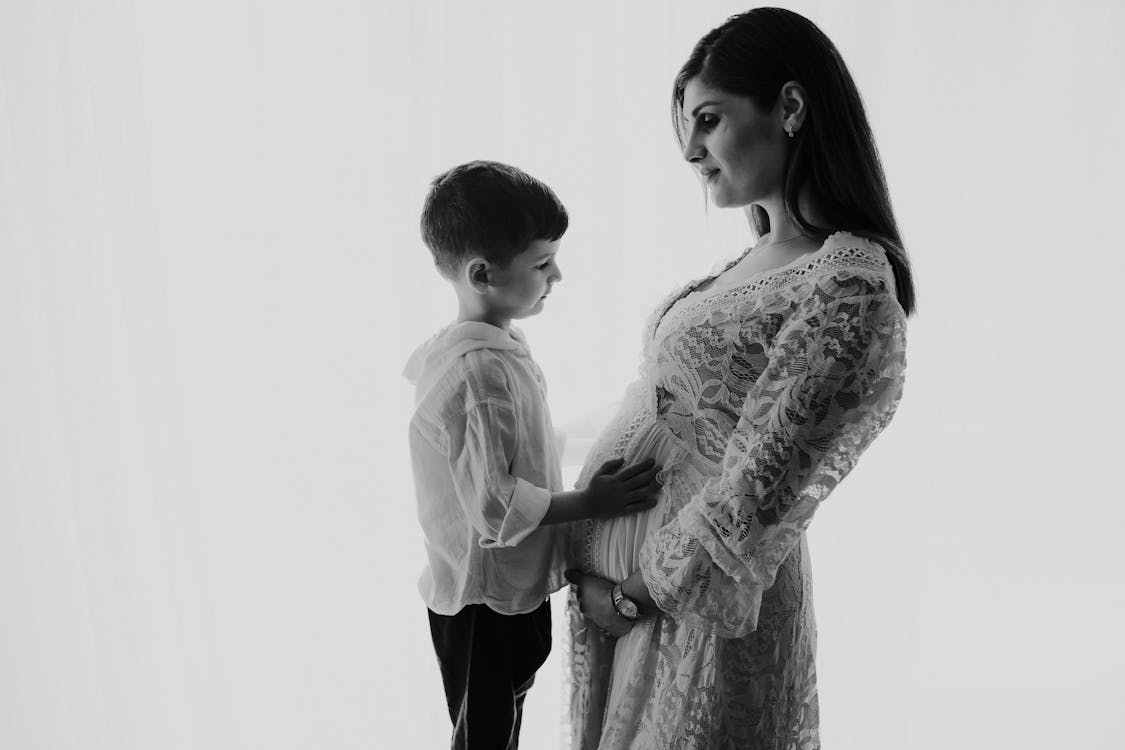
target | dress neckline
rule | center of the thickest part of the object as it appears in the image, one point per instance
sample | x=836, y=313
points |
x=693, y=287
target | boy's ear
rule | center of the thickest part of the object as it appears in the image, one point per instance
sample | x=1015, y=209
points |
x=478, y=274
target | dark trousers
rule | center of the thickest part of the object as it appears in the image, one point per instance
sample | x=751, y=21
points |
x=488, y=662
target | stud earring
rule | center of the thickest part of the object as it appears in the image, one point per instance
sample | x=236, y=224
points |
x=789, y=129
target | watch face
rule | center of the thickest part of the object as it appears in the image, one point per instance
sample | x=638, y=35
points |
x=628, y=608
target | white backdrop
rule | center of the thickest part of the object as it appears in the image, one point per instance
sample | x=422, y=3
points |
x=211, y=275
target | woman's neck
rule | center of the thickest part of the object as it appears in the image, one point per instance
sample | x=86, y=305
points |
x=782, y=227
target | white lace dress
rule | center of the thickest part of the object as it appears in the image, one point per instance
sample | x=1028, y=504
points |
x=757, y=400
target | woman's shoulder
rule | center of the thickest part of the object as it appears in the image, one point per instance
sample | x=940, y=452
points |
x=846, y=249
x=852, y=261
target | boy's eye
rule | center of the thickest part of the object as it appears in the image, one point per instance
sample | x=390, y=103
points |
x=543, y=266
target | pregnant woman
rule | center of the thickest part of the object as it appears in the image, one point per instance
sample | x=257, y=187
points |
x=692, y=625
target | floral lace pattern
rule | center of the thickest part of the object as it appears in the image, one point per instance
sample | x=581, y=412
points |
x=758, y=400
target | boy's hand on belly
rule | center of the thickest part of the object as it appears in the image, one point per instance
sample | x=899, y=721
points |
x=618, y=490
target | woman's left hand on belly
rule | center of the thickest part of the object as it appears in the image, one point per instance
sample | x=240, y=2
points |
x=596, y=602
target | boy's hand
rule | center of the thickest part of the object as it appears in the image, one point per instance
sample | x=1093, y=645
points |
x=618, y=490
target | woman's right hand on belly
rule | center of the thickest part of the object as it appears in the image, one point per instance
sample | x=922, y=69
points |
x=619, y=490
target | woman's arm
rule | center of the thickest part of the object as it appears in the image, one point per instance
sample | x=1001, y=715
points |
x=634, y=587
x=833, y=381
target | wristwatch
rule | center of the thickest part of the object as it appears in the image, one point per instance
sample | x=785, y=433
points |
x=625, y=606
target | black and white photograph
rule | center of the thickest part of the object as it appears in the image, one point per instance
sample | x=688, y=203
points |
x=607, y=375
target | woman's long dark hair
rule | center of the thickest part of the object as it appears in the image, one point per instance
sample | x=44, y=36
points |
x=833, y=155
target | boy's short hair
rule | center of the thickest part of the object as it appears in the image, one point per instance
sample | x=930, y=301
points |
x=488, y=210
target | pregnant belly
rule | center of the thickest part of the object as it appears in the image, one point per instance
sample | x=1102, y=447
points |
x=611, y=548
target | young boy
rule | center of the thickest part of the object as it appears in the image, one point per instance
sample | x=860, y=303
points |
x=486, y=469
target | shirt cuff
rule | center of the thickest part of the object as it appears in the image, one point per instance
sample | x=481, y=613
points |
x=526, y=510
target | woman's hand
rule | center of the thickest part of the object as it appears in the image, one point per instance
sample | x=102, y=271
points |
x=596, y=603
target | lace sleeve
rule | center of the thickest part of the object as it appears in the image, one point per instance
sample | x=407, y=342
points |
x=833, y=381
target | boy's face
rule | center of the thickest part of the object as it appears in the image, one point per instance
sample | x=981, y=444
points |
x=518, y=291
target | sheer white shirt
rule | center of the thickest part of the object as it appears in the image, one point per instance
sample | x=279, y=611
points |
x=485, y=462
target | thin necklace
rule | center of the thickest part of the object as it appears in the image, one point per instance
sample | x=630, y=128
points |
x=789, y=239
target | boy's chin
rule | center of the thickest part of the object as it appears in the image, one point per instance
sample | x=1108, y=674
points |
x=535, y=309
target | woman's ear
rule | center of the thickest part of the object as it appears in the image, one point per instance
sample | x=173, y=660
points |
x=478, y=274
x=794, y=107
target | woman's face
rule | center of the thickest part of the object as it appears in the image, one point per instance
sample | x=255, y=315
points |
x=738, y=149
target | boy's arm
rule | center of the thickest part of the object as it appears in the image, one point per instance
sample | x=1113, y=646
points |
x=615, y=490
x=571, y=505
x=504, y=508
